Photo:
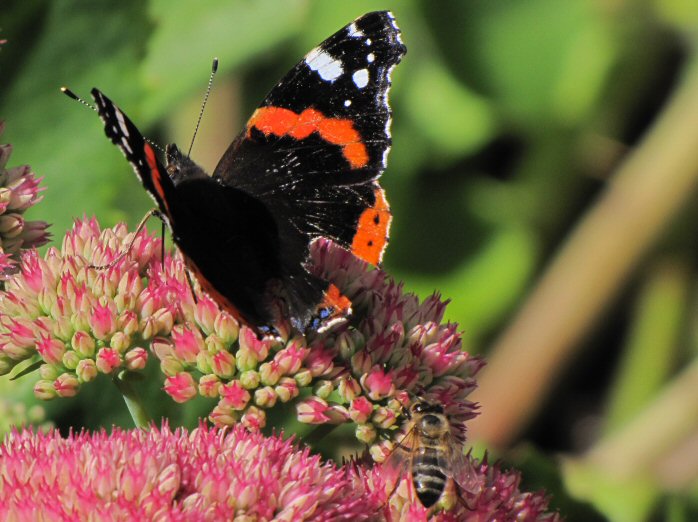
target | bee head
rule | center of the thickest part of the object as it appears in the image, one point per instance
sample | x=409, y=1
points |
x=423, y=407
x=429, y=417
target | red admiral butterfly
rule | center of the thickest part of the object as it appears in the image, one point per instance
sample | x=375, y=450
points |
x=305, y=166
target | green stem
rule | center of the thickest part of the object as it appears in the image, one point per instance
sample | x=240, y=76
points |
x=135, y=406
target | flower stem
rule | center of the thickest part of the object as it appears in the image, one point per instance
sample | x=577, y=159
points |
x=135, y=406
x=654, y=182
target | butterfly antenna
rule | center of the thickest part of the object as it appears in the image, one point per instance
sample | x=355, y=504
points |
x=71, y=94
x=214, y=68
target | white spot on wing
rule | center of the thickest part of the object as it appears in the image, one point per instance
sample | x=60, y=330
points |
x=370, y=57
x=122, y=123
x=355, y=31
x=360, y=78
x=328, y=67
x=126, y=146
x=368, y=41
x=347, y=103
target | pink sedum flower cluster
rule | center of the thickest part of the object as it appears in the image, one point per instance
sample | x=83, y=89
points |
x=222, y=474
x=79, y=320
x=491, y=494
x=82, y=321
x=19, y=191
x=159, y=474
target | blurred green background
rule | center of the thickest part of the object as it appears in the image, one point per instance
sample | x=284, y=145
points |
x=530, y=181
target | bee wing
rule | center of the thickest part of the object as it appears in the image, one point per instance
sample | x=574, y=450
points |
x=461, y=470
x=401, y=455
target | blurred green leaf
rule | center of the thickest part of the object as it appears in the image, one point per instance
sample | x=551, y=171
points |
x=453, y=120
x=235, y=31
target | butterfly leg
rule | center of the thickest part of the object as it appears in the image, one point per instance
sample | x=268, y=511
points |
x=154, y=212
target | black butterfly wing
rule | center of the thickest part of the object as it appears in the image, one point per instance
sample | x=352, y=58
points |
x=313, y=151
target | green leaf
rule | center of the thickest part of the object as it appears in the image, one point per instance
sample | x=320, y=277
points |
x=27, y=370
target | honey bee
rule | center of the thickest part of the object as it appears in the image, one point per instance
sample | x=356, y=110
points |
x=439, y=471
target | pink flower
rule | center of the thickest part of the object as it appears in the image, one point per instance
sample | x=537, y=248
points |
x=136, y=359
x=287, y=389
x=378, y=383
x=108, y=360
x=360, y=410
x=66, y=385
x=180, y=387
x=19, y=191
x=250, y=343
x=291, y=358
x=313, y=411
x=187, y=344
x=209, y=386
x=487, y=493
x=223, y=364
x=235, y=395
x=161, y=474
x=51, y=350
x=394, y=347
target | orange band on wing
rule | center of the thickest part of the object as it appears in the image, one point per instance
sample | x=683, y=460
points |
x=155, y=173
x=372, y=230
x=336, y=301
x=281, y=122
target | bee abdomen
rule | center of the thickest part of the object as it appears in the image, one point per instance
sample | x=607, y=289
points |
x=427, y=476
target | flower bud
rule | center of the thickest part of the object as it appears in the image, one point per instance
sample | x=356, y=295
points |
x=223, y=364
x=270, y=373
x=224, y=415
x=235, y=395
x=250, y=379
x=50, y=349
x=303, y=378
x=86, y=370
x=108, y=360
x=265, y=397
x=180, y=387
x=209, y=386
x=66, y=385
x=254, y=419
x=287, y=389
x=323, y=389
x=48, y=372
x=226, y=328
x=366, y=433
x=44, y=390
x=71, y=359
x=136, y=358
x=360, y=410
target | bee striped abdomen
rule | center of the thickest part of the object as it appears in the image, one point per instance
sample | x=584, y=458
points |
x=428, y=477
